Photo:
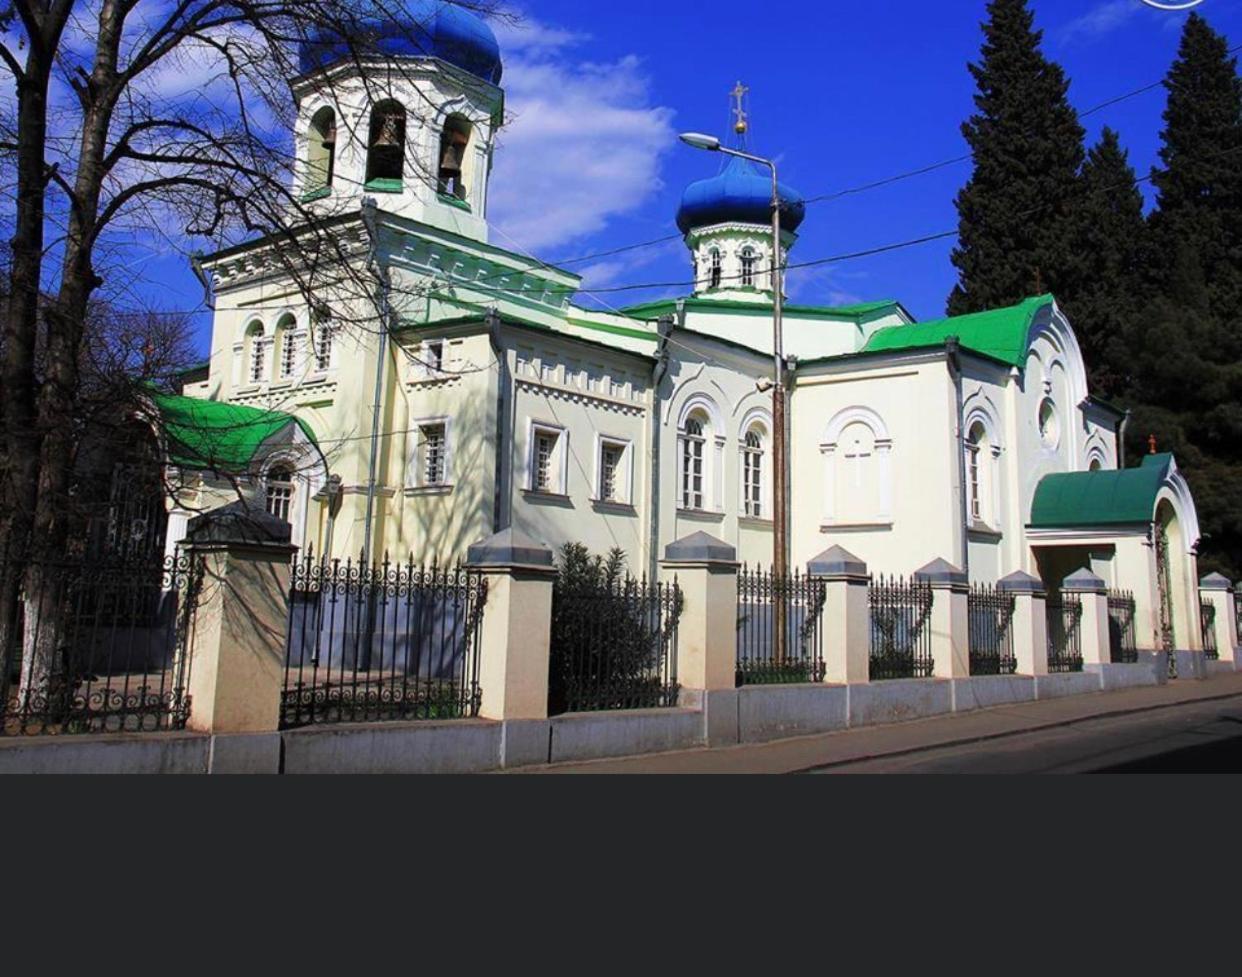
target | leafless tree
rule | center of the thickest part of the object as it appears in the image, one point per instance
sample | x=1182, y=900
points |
x=120, y=161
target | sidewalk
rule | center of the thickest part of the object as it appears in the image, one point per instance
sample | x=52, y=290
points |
x=847, y=746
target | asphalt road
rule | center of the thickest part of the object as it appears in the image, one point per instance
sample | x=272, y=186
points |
x=1200, y=737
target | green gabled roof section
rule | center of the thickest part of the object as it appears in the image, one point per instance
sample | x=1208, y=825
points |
x=208, y=434
x=653, y=310
x=1100, y=498
x=1000, y=334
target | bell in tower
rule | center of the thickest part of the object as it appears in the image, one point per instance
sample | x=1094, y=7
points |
x=453, y=142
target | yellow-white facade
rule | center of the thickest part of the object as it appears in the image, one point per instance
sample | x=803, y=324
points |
x=503, y=404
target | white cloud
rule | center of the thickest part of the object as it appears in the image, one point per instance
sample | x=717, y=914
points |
x=583, y=143
x=1098, y=21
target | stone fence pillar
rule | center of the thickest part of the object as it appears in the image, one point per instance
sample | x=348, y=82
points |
x=517, y=625
x=238, y=634
x=1214, y=589
x=706, y=572
x=949, y=623
x=847, y=616
x=1092, y=592
x=1029, y=623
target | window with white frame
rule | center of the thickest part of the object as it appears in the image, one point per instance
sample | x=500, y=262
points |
x=546, y=460
x=692, y=450
x=433, y=356
x=717, y=272
x=432, y=454
x=980, y=473
x=323, y=348
x=613, y=475
x=279, y=491
x=752, y=475
x=858, y=474
x=258, y=352
x=290, y=350
x=972, y=472
x=749, y=262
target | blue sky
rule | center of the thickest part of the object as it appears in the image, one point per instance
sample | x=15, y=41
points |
x=843, y=92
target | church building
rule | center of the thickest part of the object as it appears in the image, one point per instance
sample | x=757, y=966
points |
x=401, y=384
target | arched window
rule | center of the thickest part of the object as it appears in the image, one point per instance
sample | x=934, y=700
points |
x=454, y=141
x=716, y=273
x=1096, y=465
x=692, y=451
x=256, y=346
x=752, y=475
x=386, y=143
x=279, y=497
x=749, y=262
x=321, y=151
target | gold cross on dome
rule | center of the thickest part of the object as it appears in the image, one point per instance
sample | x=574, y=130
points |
x=739, y=92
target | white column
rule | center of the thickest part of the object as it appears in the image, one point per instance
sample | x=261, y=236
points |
x=706, y=572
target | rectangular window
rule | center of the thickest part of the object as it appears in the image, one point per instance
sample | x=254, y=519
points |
x=433, y=466
x=258, y=361
x=545, y=456
x=752, y=485
x=323, y=348
x=612, y=487
x=433, y=357
x=290, y=345
x=972, y=461
x=692, y=473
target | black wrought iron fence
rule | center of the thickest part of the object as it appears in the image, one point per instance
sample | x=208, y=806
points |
x=1207, y=628
x=614, y=645
x=765, y=603
x=989, y=613
x=900, y=631
x=1064, y=633
x=98, y=647
x=372, y=642
x=1121, y=630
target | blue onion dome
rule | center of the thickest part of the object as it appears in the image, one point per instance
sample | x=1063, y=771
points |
x=427, y=28
x=740, y=193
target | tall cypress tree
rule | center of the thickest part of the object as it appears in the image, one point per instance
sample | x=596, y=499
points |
x=1015, y=215
x=1199, y=186
x=1187, y=346
x=1109, y=240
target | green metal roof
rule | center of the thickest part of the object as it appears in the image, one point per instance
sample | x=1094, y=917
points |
x=218, y=436
x=1100, y=498
x=997, y=333
x=656, y=309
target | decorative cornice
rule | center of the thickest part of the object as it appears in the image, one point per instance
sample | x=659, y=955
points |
x=574, y=396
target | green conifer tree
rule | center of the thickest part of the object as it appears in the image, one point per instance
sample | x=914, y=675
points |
x=1016, y=212
x=1187, y=342
x=1110, y=237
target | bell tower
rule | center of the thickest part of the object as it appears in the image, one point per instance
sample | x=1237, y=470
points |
x=407, y=115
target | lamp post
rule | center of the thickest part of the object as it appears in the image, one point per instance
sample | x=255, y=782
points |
x=780, y=560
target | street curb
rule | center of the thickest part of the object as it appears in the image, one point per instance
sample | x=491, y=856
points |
x=602, y=764
x=987, y=737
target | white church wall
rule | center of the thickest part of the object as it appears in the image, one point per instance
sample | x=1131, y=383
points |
x=586, y=399
x=887, y=423
x=715, y=384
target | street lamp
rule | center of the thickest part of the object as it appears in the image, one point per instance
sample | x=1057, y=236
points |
x=780, y=561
